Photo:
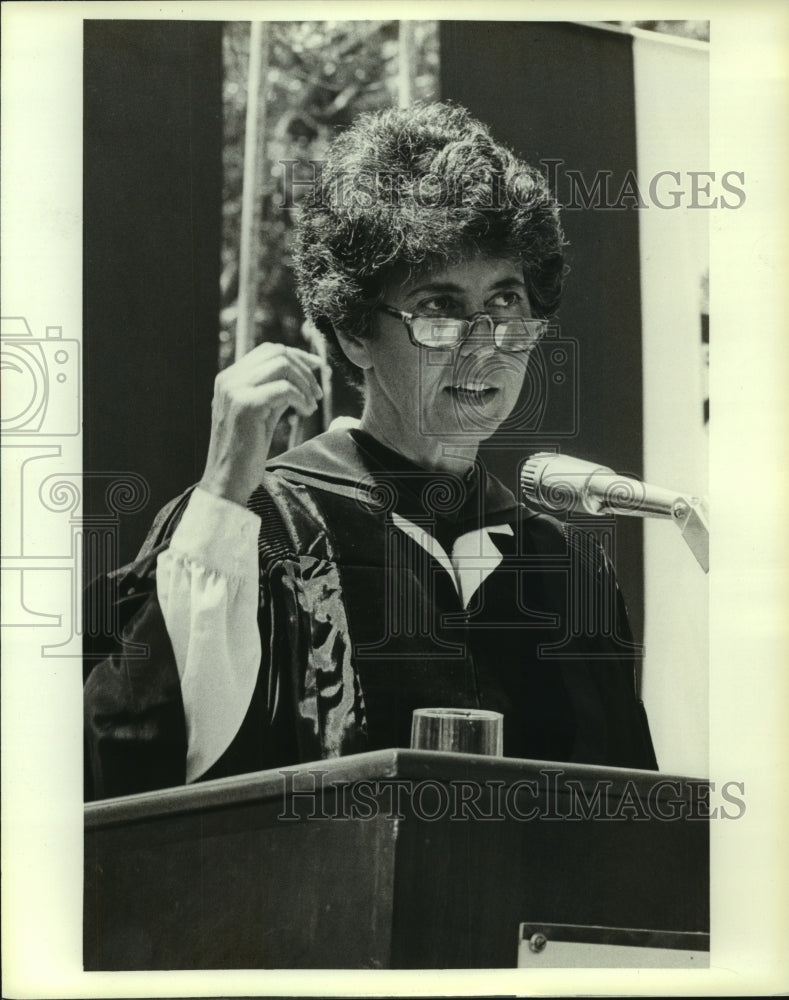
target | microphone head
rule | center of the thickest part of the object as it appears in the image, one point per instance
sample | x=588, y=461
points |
x=559, y=483
x=531, y=475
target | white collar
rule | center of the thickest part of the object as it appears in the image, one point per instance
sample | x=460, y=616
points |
x=473, y=558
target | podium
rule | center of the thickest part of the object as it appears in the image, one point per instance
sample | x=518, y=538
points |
x=393, y=859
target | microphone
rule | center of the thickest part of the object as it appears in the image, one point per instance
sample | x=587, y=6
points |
x=560, y=483
x=563, y=483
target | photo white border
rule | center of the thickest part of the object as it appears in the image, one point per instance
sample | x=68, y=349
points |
x=41, y=699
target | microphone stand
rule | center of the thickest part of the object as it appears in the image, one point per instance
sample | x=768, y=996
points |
x=690, y=514
x=557, y=482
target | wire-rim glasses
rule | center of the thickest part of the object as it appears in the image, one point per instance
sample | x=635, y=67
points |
x=512, y=334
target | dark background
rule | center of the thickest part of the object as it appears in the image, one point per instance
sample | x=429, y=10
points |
x=561, y=91
x=152, y=237
x=152, y=233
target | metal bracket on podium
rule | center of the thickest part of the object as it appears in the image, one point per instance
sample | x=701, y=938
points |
x=691, y=516
x=578, y=946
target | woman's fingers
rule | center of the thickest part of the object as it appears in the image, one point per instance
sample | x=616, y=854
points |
x=279, y=369
x=271, y=361
x=283, y=393
x=307, y=364
x=267, y=352
x=249, y=398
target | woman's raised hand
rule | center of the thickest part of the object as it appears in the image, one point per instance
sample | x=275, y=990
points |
x=249, y=398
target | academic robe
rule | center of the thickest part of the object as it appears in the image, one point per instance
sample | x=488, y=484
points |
x=363, y=618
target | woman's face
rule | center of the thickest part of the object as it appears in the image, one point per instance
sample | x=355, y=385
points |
x=419, y=400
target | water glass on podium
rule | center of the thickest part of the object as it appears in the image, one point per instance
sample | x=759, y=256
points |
x=458, y=730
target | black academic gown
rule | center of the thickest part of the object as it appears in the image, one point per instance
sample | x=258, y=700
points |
x=359, y=626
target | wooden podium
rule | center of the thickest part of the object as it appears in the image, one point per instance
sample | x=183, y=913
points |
x=392, y=859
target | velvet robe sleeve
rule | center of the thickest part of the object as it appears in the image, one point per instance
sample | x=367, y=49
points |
x=135, y=723
x=134, y=726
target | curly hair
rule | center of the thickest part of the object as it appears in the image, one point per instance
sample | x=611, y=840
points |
x=417, y=189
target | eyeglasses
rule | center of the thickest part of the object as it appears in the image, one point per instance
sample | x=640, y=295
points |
x=512, y=334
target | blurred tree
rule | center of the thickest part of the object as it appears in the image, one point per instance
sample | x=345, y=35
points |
x=321, y=74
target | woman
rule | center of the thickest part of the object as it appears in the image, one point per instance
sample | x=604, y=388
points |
x=391, y=572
